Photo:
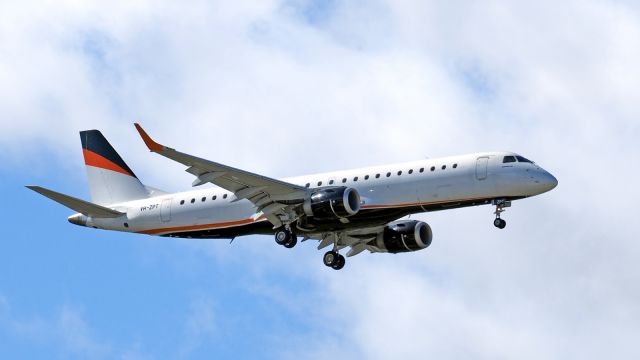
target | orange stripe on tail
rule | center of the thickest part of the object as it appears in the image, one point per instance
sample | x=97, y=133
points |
x=93, y=159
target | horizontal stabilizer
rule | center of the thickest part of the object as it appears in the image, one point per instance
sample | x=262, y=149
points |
x=81, y=206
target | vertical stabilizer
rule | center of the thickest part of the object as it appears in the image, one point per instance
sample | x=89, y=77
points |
x=111, y=181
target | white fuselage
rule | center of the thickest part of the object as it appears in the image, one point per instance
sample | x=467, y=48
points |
x=424, y=185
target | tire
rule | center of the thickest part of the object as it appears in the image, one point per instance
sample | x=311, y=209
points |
x=503, y=224
x=330, y=258
x=340, y=264
x=292, y=241
x=497, y=222
x=283, y=236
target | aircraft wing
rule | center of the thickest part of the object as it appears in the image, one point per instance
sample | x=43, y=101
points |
x=264, y=192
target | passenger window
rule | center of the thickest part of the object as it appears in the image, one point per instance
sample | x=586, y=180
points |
x=355, y=178
x=181, y=202
x=388, y=174
x=214, y=197
x=455, y=166
x=523, y=159
x=204, y=198
x=509, y=159
x=366, y=177
x=193, y=201
x=410, y=171
x=307, y=185
x=421, y=170
x=399, y=172
x=444, y=167
x=331, y=182
x=377, y=176
x=319, y=183
x=224, y=196
x=433, y=168
x=344, y=180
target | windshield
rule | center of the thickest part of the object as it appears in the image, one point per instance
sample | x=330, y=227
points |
x=509, y=159
x=523, y=159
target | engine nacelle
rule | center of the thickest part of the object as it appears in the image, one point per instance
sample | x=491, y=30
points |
x=404, y=236
x=332, y=203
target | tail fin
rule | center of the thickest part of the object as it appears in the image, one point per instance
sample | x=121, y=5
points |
x=111, y=181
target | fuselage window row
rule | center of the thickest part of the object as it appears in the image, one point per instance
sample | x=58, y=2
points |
x=204, y=198
x=377, y=176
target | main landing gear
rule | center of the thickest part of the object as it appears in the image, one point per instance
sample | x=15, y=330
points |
x=286, y=238
x=334, y=260
x=500, y=208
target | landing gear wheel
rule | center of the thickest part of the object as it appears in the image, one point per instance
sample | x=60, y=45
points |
x=499, y=223
x=500, y=204
x=331, y=258
x=340, y=263
x=292, y=241
x=283, y=236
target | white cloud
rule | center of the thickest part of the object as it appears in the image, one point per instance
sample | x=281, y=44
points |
x=267, y=88
x=67, y=334
x=77, y=337
x=200, y=326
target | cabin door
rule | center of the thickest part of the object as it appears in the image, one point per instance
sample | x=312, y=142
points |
x=481, y=168
x=165, y=210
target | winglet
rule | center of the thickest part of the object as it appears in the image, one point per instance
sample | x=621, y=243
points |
x=152, y=145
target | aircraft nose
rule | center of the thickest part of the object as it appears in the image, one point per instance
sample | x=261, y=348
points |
x=548, y=181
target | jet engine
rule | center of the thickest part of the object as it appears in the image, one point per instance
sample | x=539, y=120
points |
x=404, y=236
x=332, y=203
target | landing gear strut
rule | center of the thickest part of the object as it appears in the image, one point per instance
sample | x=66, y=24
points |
x=500, y=208
x=334, y=260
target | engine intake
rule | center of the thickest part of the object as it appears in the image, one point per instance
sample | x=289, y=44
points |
x=404, y=236
x=332, y=203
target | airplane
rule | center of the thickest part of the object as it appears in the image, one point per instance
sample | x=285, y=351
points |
x=360, y=209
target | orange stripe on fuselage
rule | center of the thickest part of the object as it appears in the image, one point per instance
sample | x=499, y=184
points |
x=93, y=159
x=200, y=227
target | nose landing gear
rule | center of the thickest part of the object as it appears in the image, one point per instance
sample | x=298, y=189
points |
x=500, y=204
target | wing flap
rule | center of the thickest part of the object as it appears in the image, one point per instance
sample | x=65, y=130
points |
x=81, y=206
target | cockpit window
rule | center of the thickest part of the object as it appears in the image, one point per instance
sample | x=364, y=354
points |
x=509, y=159
x=523, y=159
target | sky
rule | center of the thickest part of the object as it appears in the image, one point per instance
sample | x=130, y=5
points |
x=286, y=88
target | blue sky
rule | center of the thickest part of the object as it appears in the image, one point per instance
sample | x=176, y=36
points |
x=286, y=88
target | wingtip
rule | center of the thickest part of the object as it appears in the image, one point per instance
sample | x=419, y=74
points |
x=40, y=190
x=152, y=145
